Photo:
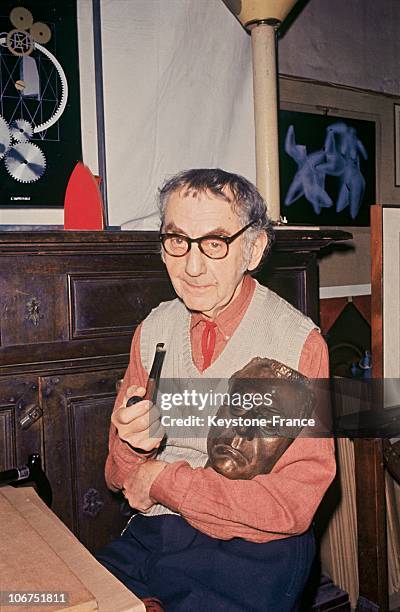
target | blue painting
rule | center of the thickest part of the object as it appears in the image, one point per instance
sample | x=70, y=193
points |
x=327, y=167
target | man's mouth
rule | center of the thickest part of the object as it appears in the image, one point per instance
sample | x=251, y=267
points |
x=225, y=451
x=195, y=287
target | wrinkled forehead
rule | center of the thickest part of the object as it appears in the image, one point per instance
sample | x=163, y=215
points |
x=264, y=367
x=202, y=211
x=199, y=195
x=267, y=384
x=262, y=376
x=225, y=194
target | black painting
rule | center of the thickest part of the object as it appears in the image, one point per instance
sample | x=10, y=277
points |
x=327, y=169
x=40, y=128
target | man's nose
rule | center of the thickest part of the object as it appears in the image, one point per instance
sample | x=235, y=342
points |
x=195, y=264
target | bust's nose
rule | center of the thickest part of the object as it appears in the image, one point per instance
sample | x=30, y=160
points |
x=246, y=432
x=242, y=434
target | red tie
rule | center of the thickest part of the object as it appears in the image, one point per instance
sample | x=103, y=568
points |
x=208, y=342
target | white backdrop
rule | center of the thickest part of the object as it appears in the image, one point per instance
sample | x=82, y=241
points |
x=178, y=94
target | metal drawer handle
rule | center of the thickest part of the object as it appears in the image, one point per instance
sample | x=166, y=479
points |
x=33, y=313
x=92, y=503
x=32, y=414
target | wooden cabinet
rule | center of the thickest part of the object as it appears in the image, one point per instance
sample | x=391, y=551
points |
x=69, y=304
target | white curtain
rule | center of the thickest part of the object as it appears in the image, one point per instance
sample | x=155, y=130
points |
x=178, y=94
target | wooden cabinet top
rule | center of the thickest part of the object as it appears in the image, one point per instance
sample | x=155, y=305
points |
x=141, y=241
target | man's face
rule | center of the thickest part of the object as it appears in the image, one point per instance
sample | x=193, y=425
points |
x=206, y=285
x=236, y=455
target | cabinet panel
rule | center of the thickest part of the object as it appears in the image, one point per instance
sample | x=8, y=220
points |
x=7, y=436
x=294, y=277
x=77, y=409
x=129, y=297
x=18, y=440
x=33, y=308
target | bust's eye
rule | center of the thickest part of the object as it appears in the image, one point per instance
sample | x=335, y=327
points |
x=237, y=411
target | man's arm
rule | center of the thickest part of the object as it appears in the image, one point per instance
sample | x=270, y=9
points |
x=271, y=505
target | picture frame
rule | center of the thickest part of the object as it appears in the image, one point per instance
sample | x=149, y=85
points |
x=327, y=168
x=396, y=108
x=40, y=124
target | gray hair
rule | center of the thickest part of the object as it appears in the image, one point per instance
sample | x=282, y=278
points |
x=247, y=202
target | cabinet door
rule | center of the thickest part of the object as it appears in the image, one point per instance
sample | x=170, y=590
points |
x=20, y=420
x=76, y=416
x=294, y=276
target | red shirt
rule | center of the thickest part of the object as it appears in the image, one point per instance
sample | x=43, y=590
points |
x=268, y=507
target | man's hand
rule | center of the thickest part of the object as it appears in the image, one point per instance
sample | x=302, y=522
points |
x=133, y=423
x=136, y=486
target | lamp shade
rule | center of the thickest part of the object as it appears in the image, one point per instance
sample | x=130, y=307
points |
x=250, y=12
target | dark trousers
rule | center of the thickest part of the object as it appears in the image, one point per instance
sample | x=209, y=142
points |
x=164, y=557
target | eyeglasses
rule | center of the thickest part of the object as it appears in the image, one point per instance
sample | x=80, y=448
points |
x=213, y=246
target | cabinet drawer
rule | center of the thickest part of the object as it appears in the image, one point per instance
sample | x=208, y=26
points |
x=33, y=309
x=113, y=303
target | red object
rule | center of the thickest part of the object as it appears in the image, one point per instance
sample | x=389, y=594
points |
x=83, y=206
x=208, y=342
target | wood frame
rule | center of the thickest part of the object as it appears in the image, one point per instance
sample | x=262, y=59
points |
x=311, y=131
x=370, y=492
x=396, y=108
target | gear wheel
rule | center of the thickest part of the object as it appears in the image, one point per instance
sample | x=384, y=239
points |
x=64, y=86
x=19, y=42
x=21, y=18
x=21, y=130
x=64, y=91
x=25, y=162
x=5, y=137
x=40, y=32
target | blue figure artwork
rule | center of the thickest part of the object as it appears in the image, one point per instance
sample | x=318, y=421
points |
x=352, y=182
x=309, y=180
x=339, y=157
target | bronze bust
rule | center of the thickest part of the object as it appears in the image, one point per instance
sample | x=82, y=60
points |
x=242, y=451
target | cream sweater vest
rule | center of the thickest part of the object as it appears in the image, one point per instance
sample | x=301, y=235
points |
x=270, y=327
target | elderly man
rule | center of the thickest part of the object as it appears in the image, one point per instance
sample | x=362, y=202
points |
x=202, y=541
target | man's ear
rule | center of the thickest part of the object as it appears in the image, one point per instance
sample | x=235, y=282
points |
x=258, y=248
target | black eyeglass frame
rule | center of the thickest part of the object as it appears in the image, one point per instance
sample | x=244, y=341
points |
x=189, y=241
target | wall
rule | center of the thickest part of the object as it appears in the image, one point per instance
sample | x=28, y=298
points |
x=350, y=42
x=353, y=42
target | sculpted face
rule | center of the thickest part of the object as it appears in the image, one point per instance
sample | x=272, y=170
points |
x=207, y=285
x=245, y=452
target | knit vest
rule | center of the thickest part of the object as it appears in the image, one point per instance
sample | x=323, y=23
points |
x=270, y=327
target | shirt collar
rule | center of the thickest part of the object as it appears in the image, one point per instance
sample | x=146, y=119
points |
x=227, y=320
